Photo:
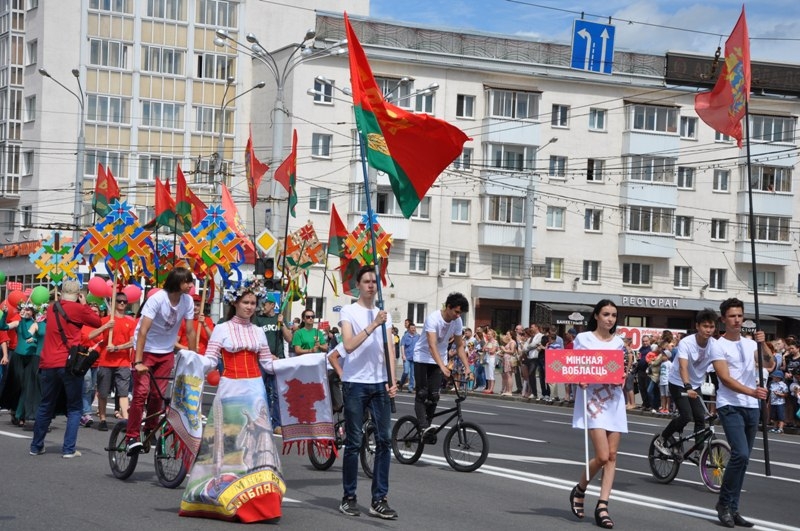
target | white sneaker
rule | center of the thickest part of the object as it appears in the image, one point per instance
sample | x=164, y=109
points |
x=661, y=447
x=74, y=454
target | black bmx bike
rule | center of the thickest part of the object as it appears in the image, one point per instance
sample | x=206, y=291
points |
x=466, y=446
x=322, y=458
x=168, y=450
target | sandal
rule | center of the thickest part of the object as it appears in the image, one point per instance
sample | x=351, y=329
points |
x=576, y=500
x=601, y=517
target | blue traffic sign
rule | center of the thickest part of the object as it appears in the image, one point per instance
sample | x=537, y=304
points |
x=592, y=47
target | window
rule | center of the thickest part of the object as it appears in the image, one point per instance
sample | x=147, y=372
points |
x=685, y=178
x=721, y=178
x=513, y=104
x=396, y=90
x=682, y=277
x=555, y=268
x=30, y=108
x=592, y=220
x=719, y=229
x=653, y=118
x=321, y=145
x=323, y=92
x=555, y=217
x=594, y=170
x=319, y=199
x=465, y=106
x=506, y=265
x=220, y=13
x=152, y=166
x=591, y=271
x=26, y=217
x=111, y=160
x=716, y=279
x=560, y=116
x=688, y=127
x=416, y=312
x=683, y=227
x=418, y=261
x=558, y=166
x=634, y=274
x=9, y=220
x=166, y=9
x=649, y=219
x=597, y=119
x=386, y=202
x=765, y=279
x=769, y=179
x=505, y=209
x=719, y=137
x=33, y=4
x=653, y=169
x=162, y=60
x=464, y=161
x=113, y=54
x=423, y=103
x=162, y=115
x=27, y=163
x=771, y=128
x=207, y=120
x=423, y=210
x=512, y=157
x=108, y=109
x=459, y=210
x=768, y=228
x=32, y=52
x=458, y=262
x=115, y=6
x=316, y=305
x=213, y=66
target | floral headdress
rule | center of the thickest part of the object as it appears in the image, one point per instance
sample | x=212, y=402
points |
x=26, y=305
x=247, y=284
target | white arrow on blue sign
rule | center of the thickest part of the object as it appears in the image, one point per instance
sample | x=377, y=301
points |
x=592, y=47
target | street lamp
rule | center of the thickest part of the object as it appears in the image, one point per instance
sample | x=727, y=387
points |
x=81, y=152
x=299, y=53
x=527, y=251
x=220, y=146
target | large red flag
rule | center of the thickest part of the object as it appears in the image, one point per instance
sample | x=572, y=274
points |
x=337, y=234
x=724, y=107
x=105, y=191
x=254, y=170
x=286, y=174
x=190, y=209
x=234, y=221
x=413, y=149
x=165, y=204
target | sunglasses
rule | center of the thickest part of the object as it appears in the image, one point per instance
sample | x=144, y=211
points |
x=308, y=317
x=121, y=302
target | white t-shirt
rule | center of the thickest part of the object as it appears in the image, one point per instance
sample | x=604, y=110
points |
x=444, y=331
x=166, y=319
x=367, y=363
x=699, y=359
x=741, y=359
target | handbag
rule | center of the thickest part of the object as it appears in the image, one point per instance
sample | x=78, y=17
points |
x=707, y=388
x=80, y=358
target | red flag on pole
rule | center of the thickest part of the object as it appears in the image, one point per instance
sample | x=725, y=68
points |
x=188, y=206
x=337, y=234
x=234, y=220
x=105, y=191
x=254, y=170
x=165, y=207
x=286, y=174
x=724, y=107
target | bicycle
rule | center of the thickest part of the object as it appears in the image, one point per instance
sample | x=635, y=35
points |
x=322, y=458
x=712, y=459
x=168, y=455
x=466, y=446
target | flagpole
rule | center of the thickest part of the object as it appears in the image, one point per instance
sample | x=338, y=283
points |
x=370, y=215
x=284, y=269
x=751, y=224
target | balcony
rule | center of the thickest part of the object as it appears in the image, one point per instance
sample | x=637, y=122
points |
x=767, y=253
x=766, y=203
x=647, y=193
x=510, y=131
x=501, y=234
x=645, y=143
x=649, y=245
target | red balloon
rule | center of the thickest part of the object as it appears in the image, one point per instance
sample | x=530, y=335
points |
x=213, y=378
x=15, y=297
x=132, y=292
x=152, y=292
x=99, y=288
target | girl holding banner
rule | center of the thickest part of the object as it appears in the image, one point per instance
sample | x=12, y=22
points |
x=600, y=410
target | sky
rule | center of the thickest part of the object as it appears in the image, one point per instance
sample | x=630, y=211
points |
x=772, y=24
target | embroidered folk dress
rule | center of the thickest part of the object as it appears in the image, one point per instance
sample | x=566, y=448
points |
x=237, y=473
x=606, y=402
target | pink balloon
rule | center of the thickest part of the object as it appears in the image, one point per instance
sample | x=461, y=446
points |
x=132, y=292
x=192, y=291
x=98, y=287
x=152, y=292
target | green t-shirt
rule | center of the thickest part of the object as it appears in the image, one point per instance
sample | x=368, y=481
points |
x=305, y=338
x=273, y=332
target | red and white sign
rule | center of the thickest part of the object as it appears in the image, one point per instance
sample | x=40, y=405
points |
x=585, y=366
x=636, y=333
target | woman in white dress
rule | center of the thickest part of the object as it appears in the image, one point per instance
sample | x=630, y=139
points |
x=604, y=411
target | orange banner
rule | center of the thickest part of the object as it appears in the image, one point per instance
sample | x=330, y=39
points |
x=585, y=366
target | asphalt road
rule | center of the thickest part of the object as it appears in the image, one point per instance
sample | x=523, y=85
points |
x=535, y=459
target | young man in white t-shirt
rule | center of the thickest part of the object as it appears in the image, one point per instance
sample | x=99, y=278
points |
x=366, y=384
x=734, y=360
x=430, y=356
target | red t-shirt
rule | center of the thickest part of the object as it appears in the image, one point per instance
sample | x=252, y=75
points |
x=123, y=332
x=55, y=351
x=202, y=337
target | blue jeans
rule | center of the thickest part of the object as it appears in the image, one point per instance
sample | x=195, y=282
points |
x=89, y=388
x=408, y=374
x=52, y=381
x=741, y=426
x=357, y=397
x=271, y=384
x=480, y=375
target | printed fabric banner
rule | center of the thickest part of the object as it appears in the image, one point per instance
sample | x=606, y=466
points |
x=187, y=394
x=585, y=366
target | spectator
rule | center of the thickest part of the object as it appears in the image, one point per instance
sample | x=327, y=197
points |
x=491, y=350
x=407, y=345
x=778, y=391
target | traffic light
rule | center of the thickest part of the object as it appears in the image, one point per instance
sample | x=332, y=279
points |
x=270, y=282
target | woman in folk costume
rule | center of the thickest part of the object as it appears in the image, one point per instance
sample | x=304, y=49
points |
x=237, y=473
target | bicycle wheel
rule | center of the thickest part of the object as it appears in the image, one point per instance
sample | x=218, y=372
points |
x=663, y=467
x=407, y=444
x=367, y=453
x=321, y=458
x=122, y=466
x=168, y=458
x=466, y=447
x=713, y=460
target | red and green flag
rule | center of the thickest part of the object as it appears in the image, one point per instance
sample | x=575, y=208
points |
x=254, y=170
x=188, y=207
x=337, y=234
x=165, y=207
x=413, y=149
x=286, y=175
x=105, y=191
x=724, y=107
